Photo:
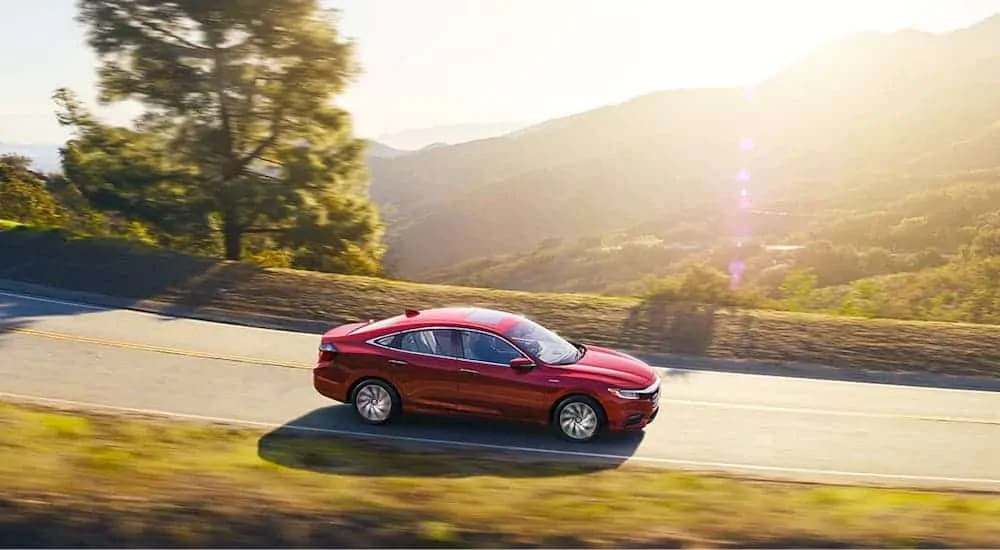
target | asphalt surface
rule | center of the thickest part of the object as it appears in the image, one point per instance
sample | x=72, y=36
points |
x=768, y=426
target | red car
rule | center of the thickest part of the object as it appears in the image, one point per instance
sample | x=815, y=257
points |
x=488, y=363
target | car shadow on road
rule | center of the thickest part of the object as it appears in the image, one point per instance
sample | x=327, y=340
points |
x=333, y=440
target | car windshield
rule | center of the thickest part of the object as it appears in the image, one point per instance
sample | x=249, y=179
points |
x=544, y=344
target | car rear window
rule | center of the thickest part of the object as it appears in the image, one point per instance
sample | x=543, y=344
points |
x=379, y=324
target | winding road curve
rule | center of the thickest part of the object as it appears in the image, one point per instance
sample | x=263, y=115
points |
x=769, y=426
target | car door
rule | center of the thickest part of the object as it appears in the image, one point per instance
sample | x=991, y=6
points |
x=423, y=363
x=488, y=385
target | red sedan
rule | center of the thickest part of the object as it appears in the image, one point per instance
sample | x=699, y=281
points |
x=487, y=363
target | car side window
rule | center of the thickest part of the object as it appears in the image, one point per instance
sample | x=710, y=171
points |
x=440, y=342
x=479, y=346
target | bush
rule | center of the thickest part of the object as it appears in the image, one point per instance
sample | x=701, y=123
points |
x=702, y=284
x=23, y=196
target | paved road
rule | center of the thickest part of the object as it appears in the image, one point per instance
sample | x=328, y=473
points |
x=760, y=425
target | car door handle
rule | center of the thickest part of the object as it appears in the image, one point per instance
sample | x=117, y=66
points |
x=470, y=371
x=397, y=362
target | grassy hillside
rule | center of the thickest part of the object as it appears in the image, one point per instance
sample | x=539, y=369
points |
x=134, y=271
x=902, y=104
x=77, y=478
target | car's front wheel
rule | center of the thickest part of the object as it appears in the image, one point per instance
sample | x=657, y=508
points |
x=375, y=401
x=579, y=418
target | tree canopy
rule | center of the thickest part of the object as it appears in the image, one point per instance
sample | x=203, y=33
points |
x=240, y=135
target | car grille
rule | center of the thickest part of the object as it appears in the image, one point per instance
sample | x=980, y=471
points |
x=652, y=393
x=654, y=396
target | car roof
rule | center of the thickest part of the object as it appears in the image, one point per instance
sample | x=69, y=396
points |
x=471, y=317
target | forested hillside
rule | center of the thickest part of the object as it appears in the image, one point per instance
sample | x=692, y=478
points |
x=865, y=112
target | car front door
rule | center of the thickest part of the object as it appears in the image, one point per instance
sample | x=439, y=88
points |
x=424, y=364
x=490, y=387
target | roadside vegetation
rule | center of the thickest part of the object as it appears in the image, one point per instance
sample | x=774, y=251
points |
x=72, y=478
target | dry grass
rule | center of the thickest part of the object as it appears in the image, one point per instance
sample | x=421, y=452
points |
x=72, y=478
x=132, y=271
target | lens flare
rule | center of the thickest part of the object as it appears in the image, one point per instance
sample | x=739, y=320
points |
x=736, y=268
x=742, y=214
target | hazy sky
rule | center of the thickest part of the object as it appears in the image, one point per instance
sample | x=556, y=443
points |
x=434, y=62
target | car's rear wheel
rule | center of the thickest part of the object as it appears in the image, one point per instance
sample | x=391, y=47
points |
x=579, y=418
x=375, y=401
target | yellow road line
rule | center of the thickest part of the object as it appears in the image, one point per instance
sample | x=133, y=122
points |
x=156, y=349
x=663, y=401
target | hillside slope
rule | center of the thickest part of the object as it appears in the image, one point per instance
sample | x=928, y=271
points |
x=901, y=103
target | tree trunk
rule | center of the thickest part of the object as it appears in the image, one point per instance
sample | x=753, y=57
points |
x=233, y=239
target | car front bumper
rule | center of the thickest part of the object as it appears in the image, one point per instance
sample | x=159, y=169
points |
x=632, y=416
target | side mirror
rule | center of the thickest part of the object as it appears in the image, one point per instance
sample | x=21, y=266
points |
x=521, y=364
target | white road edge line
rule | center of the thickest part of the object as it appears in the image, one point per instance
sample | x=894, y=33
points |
x=829, y=412
x=468, y=444
x=54, y=301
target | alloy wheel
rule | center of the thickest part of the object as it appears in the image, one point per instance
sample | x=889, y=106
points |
x=373, y=403
x=578, y=420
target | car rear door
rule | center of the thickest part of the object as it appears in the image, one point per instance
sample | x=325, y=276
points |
x=422, y=363
x=488, y=385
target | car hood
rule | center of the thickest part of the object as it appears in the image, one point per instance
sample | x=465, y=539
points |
x=614, y=368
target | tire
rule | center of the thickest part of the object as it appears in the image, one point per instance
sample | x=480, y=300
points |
x=375, y=401
x=579, y=419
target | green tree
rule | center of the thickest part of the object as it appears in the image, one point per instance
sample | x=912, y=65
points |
x=703, y=283
x=136, y=175
x=878, y=261
x=83, y=218
x=797, y=288
x=861, y=299
x=833, y=265
x=925, y=259
x=23, y=195
x=700, y=283
x=986, y=243
x=240, y=134
x=984, y=302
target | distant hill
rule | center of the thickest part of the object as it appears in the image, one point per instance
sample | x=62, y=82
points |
x=902, y=103
x=450, y=134
x=381, y=150
x=45, y=157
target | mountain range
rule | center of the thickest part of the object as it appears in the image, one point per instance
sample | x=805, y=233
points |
x=413, y=139
x=45, y=157
x=867, y=104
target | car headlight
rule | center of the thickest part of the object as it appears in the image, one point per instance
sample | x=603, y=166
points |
x=624, y=394
x=328, y=347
